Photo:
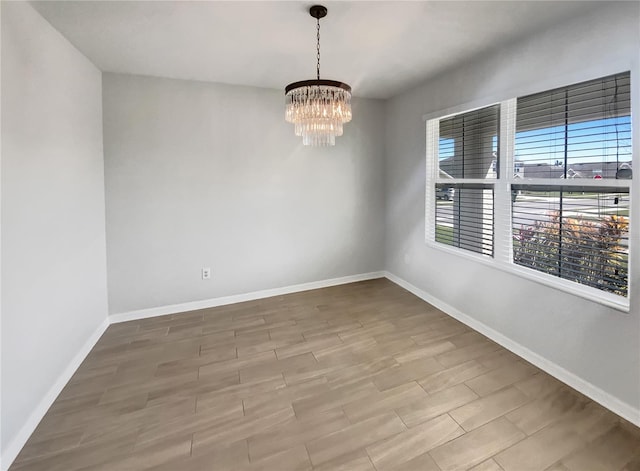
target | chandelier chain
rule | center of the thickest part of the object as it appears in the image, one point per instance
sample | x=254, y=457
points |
x=318, y=49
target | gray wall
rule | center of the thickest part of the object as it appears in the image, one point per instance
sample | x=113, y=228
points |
x=208, y=175
x=53, y=234
x=598, y=344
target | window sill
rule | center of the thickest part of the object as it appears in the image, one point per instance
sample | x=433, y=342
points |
x=610, y=300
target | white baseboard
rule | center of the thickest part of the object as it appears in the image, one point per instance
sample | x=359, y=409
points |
x=16, y=444
x=14, y=447
x=239, y=298
x=612, y=403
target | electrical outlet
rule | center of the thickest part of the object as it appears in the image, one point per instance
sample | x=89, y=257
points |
x=206, y=273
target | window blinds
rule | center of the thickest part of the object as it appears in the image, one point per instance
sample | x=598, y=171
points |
x=466, y=221
x=468, y=146
x=575, y=233
x=579, y=131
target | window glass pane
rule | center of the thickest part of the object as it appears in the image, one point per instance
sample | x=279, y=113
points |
x=580, y=131
x=576, y=233
x=464, y=217
x=468, y=144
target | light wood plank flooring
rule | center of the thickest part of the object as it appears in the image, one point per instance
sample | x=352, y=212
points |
x=357, y=377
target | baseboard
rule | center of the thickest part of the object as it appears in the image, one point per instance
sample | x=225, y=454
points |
x=14, y=447
x=239, y=298
x=612, y=403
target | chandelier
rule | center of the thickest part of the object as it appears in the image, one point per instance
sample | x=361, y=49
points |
x=318, y=108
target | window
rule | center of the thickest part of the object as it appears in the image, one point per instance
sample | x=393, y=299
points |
x=575, y=233
x=467, y=157
x=581, y=131
x=566, y=229
x=539, y=185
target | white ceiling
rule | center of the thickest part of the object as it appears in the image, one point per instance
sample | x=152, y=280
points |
x=380, y=48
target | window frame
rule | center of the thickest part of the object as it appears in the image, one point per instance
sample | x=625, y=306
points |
x=503, y=239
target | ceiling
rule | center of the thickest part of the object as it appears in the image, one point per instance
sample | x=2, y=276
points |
x=380, y=48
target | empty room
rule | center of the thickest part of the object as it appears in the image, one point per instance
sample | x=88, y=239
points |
x=349, y=235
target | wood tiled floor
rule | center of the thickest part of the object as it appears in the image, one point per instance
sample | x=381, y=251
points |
x=356, y=377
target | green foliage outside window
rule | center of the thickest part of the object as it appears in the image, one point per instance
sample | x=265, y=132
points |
x=580, y=250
